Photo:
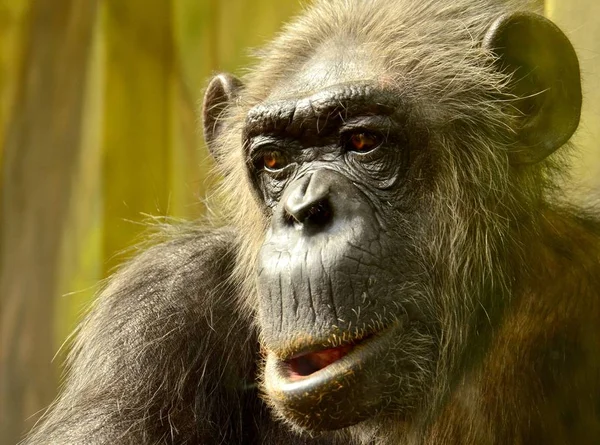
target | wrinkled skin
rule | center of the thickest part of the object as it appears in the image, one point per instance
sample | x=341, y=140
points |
x=338, y=262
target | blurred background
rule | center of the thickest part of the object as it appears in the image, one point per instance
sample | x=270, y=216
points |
x=99, y=130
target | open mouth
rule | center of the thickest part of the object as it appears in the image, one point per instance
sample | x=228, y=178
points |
x=314, y=387
x=306, y=364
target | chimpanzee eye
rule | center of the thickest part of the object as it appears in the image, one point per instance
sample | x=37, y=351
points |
x=274, y=160
x=363, y=142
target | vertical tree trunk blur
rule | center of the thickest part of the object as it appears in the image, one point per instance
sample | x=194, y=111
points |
x=13, y=16
x=136, y=123
x=40, y=152
x=580, y=19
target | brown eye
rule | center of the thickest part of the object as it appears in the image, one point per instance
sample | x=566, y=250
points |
x=363, y=142
x=274, y=160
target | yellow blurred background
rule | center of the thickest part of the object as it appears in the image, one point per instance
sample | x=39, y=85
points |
x=99, y=130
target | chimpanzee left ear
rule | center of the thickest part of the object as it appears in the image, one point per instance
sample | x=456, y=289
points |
x=545, y=82
x=220, y=93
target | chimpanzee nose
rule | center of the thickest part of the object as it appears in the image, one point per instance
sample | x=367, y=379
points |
x=308, y=203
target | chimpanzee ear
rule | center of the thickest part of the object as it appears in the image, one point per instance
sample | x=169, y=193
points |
x=545, y=82
x=221, y=92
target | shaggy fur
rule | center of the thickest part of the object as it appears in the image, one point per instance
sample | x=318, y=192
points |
x=168, y=353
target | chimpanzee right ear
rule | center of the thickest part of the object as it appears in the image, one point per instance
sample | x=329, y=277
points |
x=545, y=82
x=220, y=94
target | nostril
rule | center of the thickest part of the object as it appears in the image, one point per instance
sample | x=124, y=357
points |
x=319, y=215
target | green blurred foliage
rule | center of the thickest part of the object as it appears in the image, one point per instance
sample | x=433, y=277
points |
x=139, y=151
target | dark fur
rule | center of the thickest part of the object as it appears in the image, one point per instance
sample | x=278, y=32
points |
x=169, y=352
x=163, y=357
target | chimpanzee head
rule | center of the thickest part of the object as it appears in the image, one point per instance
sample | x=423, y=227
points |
x=386, y=161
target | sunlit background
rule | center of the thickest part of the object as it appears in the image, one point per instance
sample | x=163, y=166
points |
x=99, y=130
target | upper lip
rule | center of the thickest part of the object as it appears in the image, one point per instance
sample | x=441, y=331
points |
x=321, y=346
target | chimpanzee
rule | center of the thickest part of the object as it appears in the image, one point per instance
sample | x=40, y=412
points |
x=395, y=264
